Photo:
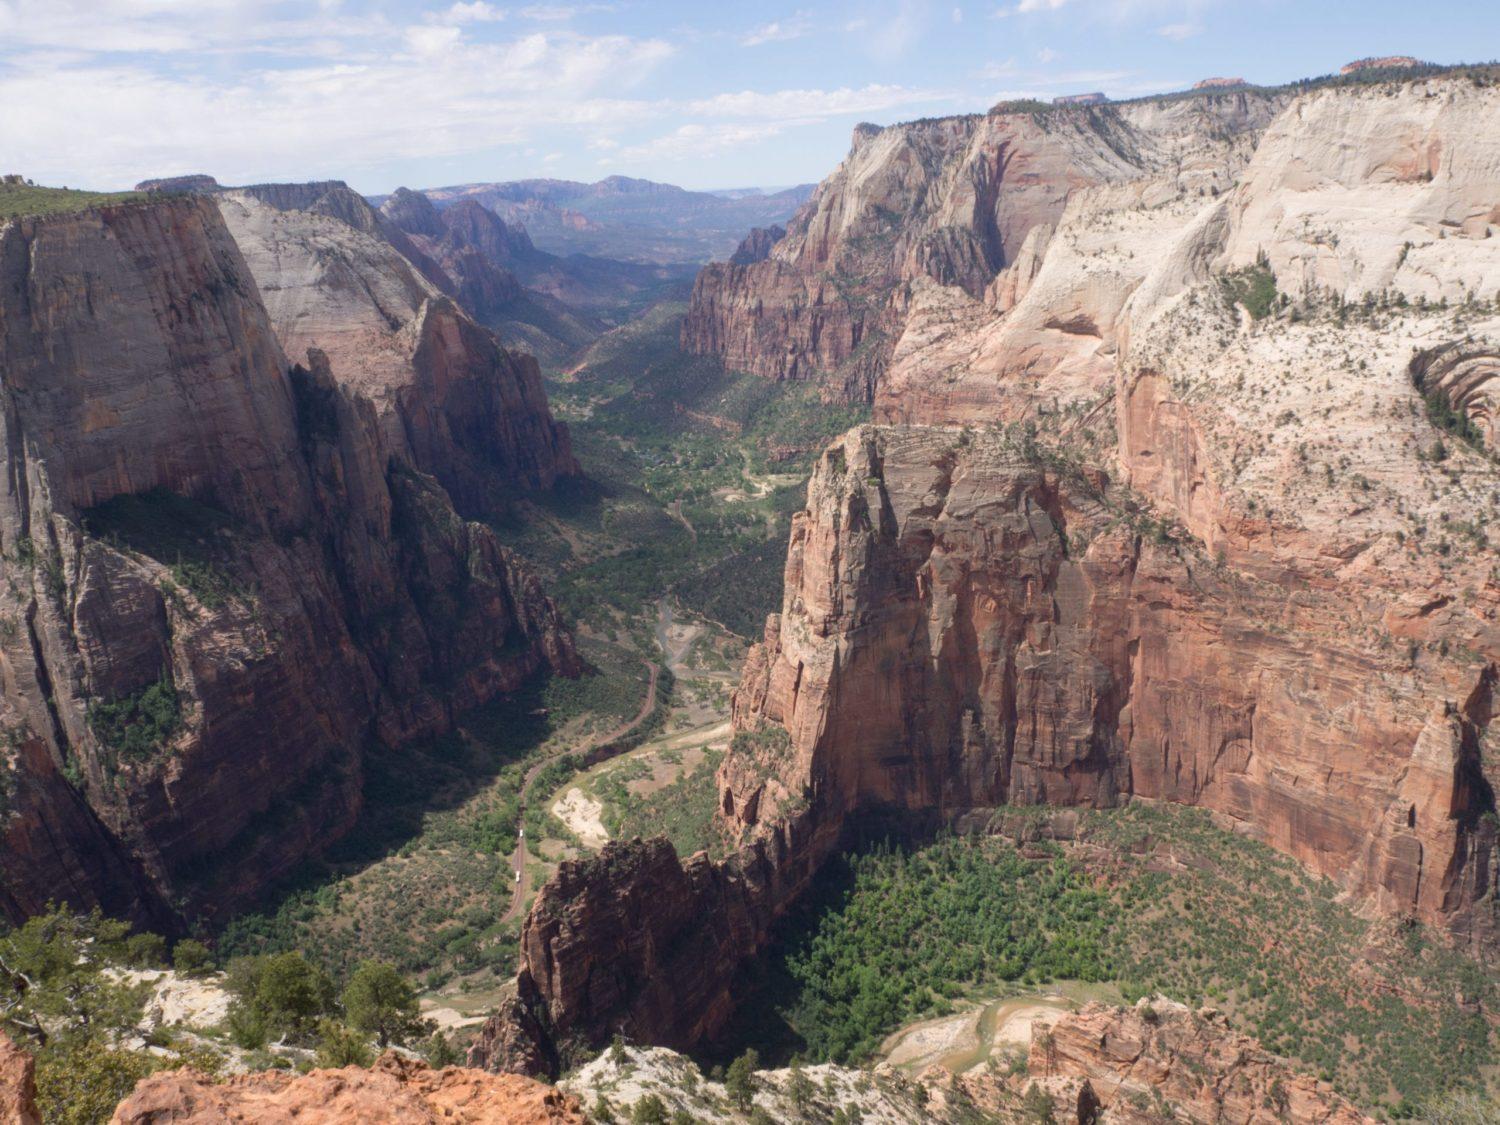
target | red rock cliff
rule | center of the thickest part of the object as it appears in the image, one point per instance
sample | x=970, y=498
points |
x=198, y=532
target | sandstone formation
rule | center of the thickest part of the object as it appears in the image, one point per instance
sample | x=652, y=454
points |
x=951, y=200
x=1160, y=1061
x=17, y=1085
x=395, y=1090
x=757, y=245
x=194, y=182
x=1382, y=62
x=449, y=400
x=227, y=572
x=1218, y=83
x=1190, y=502
x=1094, y=98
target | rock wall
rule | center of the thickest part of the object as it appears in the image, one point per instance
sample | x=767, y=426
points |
x=951, y=200
x=223, y=576
x=449, y=400
x=1160, y=1061
x=967, y=625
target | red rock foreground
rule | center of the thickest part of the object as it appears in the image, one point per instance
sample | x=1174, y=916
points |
x=395, y=1090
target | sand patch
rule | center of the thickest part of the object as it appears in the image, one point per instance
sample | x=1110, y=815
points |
x=581, y=813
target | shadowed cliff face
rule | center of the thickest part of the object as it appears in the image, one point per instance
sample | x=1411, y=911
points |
x=222, y=576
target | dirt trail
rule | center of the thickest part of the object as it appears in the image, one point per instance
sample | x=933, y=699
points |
x=519, y=858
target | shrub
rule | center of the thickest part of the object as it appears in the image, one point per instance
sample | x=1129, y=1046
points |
x=140, y=724
x=191, y=958
x=339, y=1045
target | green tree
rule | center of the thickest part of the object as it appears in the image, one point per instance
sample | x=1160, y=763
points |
x=740, y=1081
x=800, y=1089
x=440, y=1052
x=191, y=958
x=284, y=993
x=378, y=1001
x=650, y=1110
x=80, y=1082
x=51, y=979
x=340, y=1045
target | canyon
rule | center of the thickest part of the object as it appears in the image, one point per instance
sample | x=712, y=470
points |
x=1179, y=491
x=230, y=526
x=1169, y=483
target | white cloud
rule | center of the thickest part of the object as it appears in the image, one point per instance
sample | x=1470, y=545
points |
x=326, y=117
x=476, y=12
x=695, y=141
x=779, y=31
x=1046, y=55
x=1177, y=32
x=1025, y=7
x=434, y=40
x=811, y=105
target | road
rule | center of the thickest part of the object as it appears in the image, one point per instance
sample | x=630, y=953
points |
x=519, y=858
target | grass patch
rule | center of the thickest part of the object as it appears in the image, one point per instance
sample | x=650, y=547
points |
x=26, y=199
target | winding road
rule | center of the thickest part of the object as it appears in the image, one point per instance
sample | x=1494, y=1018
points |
x=519, y=858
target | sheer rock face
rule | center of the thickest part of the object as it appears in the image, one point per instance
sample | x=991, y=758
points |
x=639, y=942
x=17, y=1085
x=950, y=200
x=1133, y=1063
x=272, y=559
x=450, y=401
x=396, y=1090
x=964, y=629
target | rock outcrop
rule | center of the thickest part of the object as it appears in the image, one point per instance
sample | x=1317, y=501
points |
x=395, y=1090
x=224, y=573
x=1380, y=62
x=448, y=399
x=1096, y=97
x=17, y=1085
x=1161, y=1061
x=951, y=200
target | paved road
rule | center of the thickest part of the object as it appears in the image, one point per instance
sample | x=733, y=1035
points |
x=518, y=860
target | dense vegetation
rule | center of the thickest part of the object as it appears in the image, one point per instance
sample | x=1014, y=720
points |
x=72, y=992
x=1156, y=899
x=909, y=931
x=192, y=538
x=693, y=476
x=140, y=724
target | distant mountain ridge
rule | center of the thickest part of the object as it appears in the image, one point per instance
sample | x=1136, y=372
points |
x=629, y=219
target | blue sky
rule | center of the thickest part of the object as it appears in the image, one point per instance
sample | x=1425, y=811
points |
x=101, y=93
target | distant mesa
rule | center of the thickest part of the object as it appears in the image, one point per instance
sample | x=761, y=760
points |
x=1384, y=62
x=1096, y=98
x=197, y=183
x=1219, y=83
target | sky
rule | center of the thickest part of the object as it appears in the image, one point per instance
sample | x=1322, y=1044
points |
x=381, y=93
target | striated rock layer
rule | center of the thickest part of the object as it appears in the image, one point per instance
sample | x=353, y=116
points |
x=951, y=200
x=1160, y=1061
x=224, y=573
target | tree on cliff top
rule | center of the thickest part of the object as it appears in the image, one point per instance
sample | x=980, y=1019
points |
x=378, y=1001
